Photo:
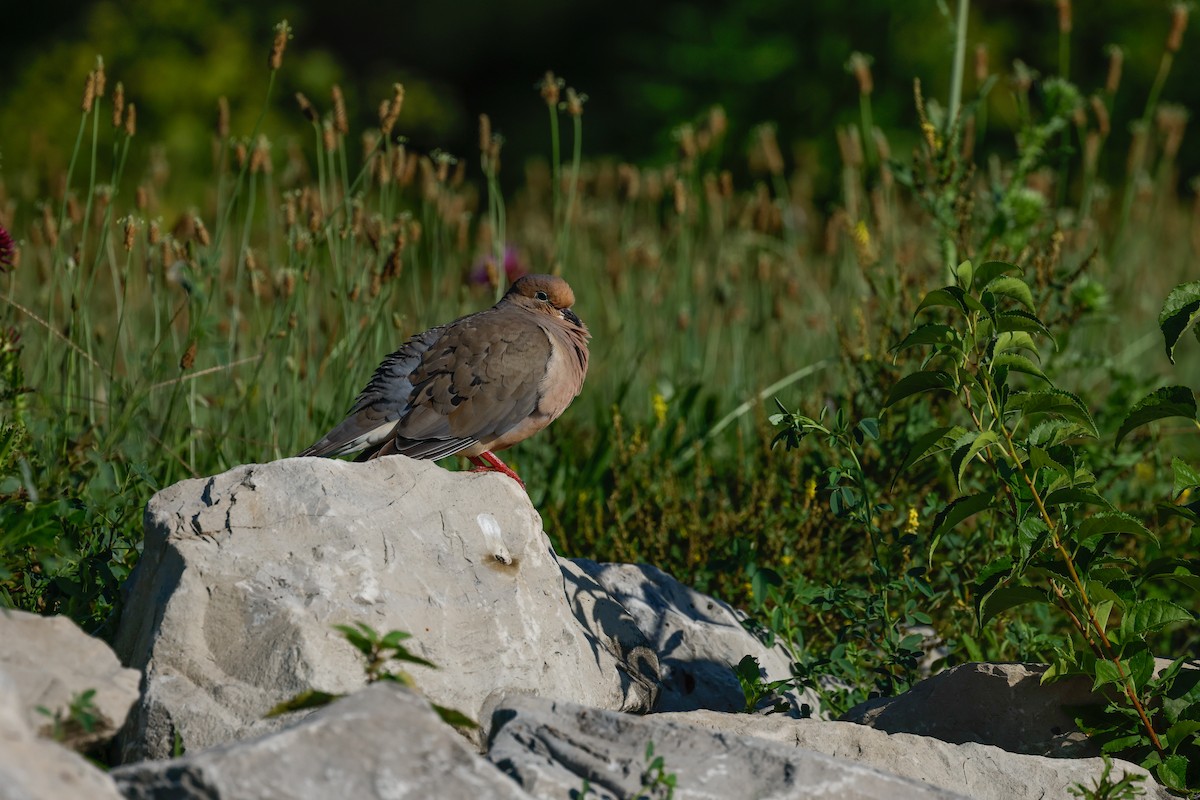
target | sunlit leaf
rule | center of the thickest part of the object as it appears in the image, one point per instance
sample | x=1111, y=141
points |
x=305, y=700
x=990, y=270
x=1006, y=597
x=1012, y=287
x=1169, y=401
x=923, y=381
x=1179, y=312
x=1185, y=476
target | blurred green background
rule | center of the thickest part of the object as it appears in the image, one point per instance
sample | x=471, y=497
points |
x=646, y=67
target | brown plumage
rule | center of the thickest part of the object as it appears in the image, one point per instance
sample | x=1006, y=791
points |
x=479, y=384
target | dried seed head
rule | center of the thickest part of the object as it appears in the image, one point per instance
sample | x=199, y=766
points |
x=130, y=231
x=485, y=133
x=550, y=88
x=494, y=153
x=239, y=154
x=1171, y=120
x=153, y=235
x=188, y=360
x=460, y=174
x=328, y=137
x=89, y=92
x=341, y=122
x=1179, y=21
x=1101, y=112
x=306, y=107
x=726, y=184
x=399, y=163
x=769, y=144
x=718, y=122
x=222, y=117
x=680, y=196
x=575, y=102
x=629, y=182
x=389, y=115
x=201, y=232
x=260, y=158
x=131, y=119
x=686, y=136
x=283, y=32
x=1116, y=58
x=101, y=80
x=316, y=217
x=982, y=69
x=118, y=104
x=859, y=66
x=1091, y=150
x=1064, y=16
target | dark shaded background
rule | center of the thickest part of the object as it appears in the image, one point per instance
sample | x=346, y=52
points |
x=645, y=66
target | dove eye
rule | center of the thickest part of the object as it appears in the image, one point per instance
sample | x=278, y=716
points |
x=542, y=296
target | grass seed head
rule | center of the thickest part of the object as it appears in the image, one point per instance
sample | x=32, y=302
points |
x=859, y=66
x=1116, y=59
x=1100, y=111
x=341, y=122
x=1064, y=16
x=1179, y=20
x=222, y=128
x=550, y=88
x=283, y=32
x=89, y=92
x=306, y=107
x=118, y=104
x=982, y=69
x=389, y=111
x=575, y=101
x=131, y=119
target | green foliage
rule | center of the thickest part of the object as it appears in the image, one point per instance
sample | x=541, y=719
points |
x=379, y=651
x=74, y=722
x=1128, y=787
x=756, y=689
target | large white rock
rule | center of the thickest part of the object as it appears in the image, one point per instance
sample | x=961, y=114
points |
x=699, y=640
x=33, y=768
x=381, y=743
x=50, y=661
x=243, y=574
x=982, y=772
x=552, y=747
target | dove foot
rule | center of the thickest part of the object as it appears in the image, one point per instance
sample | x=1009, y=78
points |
x=488, y=462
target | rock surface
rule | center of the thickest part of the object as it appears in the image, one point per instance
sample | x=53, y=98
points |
x=243, y=575
x=50, y=661
x=699, y=640
x=552, y=747
x=32, y=768
x=999, y=704
x=982, y=772
x=383, y=742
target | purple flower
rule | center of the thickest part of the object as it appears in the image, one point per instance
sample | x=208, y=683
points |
x=513, y=267
x=8, y=250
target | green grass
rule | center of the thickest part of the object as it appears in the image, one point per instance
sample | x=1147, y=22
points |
x=167, y=332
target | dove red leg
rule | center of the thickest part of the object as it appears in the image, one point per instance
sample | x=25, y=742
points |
x=488, y=462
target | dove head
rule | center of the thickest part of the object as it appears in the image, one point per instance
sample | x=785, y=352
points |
x=546, y=294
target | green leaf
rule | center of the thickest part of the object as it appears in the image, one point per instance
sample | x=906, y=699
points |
x=1015, y=288
x=310, y=698
x=402, y=654
x=1073, y=494
x=394, y=638
x=1152, y=614
x=1169, y=401
x=1053, y=401
x=1180, y=733
x=1111, y=522
x=869, y=428
x=1172, y=772
x=969, y=451
x=1006, y=597
x=1185, y=477
x=965, y=273
x=925, y=445
x=1014, y=340
x=453, y=717
x=1040, y=458
x=930, y=333
x=958, y=510
x=1179, y=312
x=1021, y=321
x=950, y=297
x=1019, y=363
x=1106, y=673
x=990, y=270
x=923, y=381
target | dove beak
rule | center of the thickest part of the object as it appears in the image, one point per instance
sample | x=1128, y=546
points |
x=571, y=317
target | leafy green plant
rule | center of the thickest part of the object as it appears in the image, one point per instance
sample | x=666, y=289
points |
x=79, y=718
x=756, y=689
x=1127, y=787
x=379, y=653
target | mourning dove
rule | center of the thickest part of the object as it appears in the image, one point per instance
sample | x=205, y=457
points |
x=479, y=384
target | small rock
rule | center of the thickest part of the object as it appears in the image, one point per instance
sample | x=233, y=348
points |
x=982, y=772
x=32, y=768
x=552, y=747
x=1004, y=705
x=51, y=662
x=699, y=640
x=383, y=742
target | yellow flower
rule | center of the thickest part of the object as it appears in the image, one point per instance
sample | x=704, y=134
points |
x=913, y=521
x=785, y=560
x=810, y=490
x=659, y=404
x=862, y=234
x=1143, y=471
x=1183, y=497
